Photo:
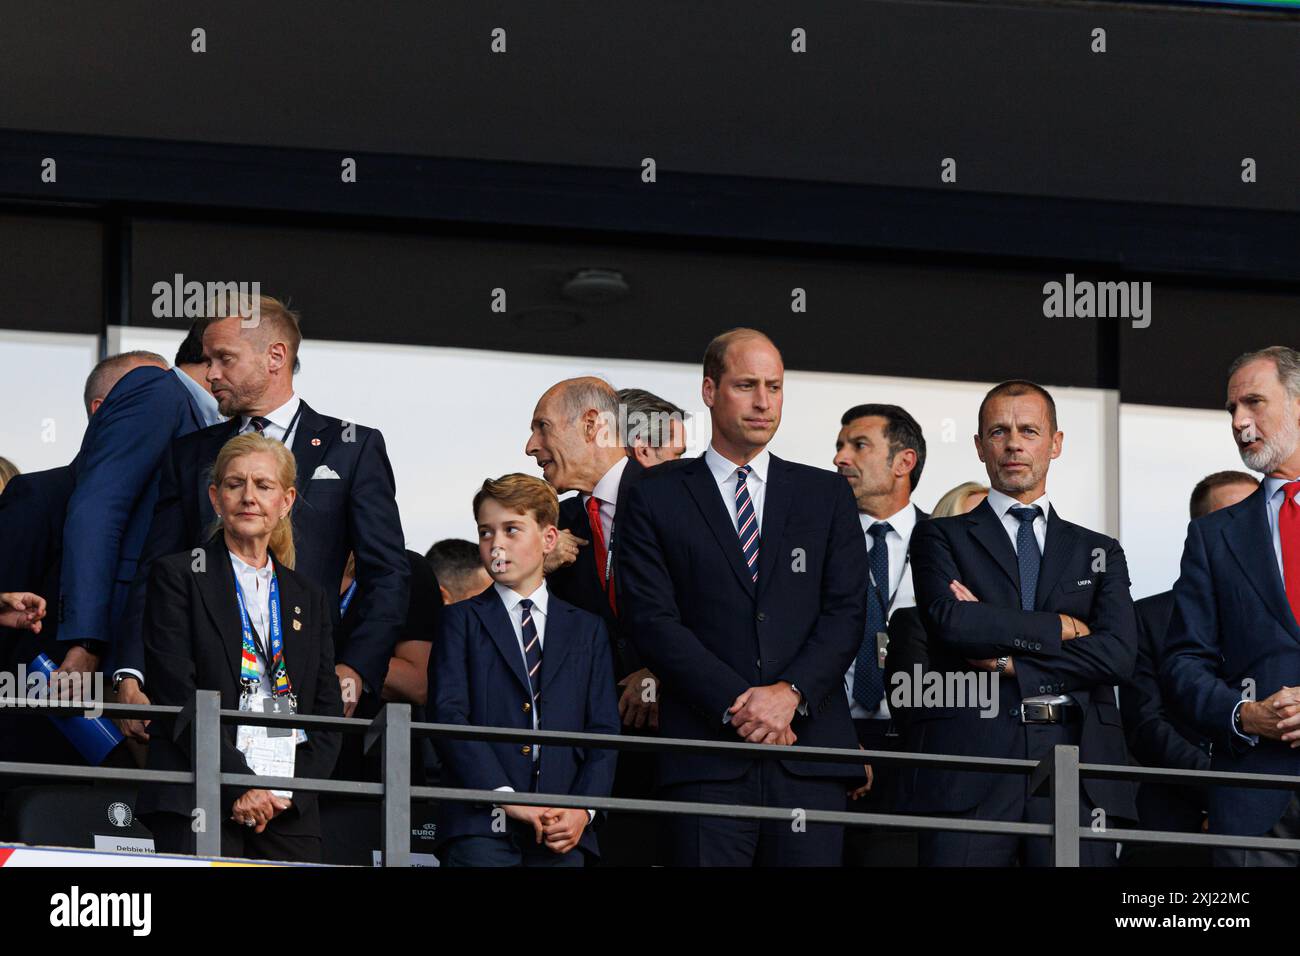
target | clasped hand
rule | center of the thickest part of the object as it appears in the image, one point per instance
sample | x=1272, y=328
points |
x=762, y=715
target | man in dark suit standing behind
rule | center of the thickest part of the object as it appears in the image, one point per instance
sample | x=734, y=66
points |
x=574, y=438
x=1043, y=606
x=1232, y=655
x=346, y=491
x=1157, y=737
x=132, y=424
x=745, y=578
x=880, y=451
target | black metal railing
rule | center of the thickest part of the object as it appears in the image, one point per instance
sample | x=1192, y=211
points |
x=393, y=731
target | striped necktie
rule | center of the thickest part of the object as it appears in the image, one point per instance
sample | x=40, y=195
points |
x=746, y=520
x=532, y=649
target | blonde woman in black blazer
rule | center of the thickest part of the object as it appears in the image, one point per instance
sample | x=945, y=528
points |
x=193, y=639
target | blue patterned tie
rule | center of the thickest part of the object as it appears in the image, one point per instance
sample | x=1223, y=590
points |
x=532, y=649
x=1027, y=554
x=868, y=678
x=746, y=521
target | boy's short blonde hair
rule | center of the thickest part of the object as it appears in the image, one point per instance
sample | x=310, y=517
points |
x=523, y=493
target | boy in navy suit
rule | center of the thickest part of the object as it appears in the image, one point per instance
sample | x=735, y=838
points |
x=517, y=656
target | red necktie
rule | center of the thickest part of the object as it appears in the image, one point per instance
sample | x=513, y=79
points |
x=600, y=548
x=1288, y=526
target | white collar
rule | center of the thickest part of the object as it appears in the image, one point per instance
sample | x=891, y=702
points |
x=901, y=521
x=239, y=564
x=723, y=469
x=282, y=416
x=1002, y=503
x=607, y=488
x=512, y=597
x=207, y=404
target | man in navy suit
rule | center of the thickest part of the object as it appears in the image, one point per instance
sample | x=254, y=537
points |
x=346, y=492
x=33, y=510
x=116, y=485
x=745, y=579
x=1041, y=607
x=1158, y=736
x=1232, y=656
x=880, y=451
x=518, y=656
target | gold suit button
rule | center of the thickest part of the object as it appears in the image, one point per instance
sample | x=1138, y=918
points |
x=525, y=750
x=527, y=707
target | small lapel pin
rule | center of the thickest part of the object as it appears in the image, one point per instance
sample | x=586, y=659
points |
x=315, y=442
x=297, y=624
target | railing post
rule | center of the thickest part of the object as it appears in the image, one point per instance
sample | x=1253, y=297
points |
x=1064, y=784
x=394, y=726
x=207, y=772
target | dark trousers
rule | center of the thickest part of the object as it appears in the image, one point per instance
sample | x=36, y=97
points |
x=1287, y=826
x=172, y=834
x=875, y=846
x=633, y=839
x=518, y=846
x=1180, y=809
x=1009, y=800
x=723, y=841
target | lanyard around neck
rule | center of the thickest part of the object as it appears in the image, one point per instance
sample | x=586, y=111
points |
x=248, y=673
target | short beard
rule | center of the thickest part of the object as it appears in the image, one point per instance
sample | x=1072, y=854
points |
x=1276, y=450
x=1023, y=482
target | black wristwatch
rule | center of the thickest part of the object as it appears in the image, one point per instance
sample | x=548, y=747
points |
x=98, y=648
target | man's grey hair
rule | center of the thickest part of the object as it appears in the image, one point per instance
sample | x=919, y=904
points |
x=581, y=394
x=648, y=416
x=106, y=374
x=1285, y=358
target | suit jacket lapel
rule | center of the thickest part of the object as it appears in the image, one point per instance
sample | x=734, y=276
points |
x=299, y=652
x=631, y=473
x=699, y=480
x=216, y=584
x=776, y=505
x=496, y=621
x=311, y=427
x=988, y=531
x=1059, y=544
x=1251, y=542
x=556, y=643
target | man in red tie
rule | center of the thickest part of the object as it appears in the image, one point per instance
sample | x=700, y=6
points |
x=1232, y=657
x=576, y=442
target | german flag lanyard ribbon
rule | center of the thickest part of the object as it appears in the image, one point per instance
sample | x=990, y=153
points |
x=248, y=675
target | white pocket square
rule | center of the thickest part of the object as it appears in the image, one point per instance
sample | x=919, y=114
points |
x=324, y=471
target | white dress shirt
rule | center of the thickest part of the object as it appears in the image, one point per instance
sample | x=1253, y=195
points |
x=511, y=598
x=1002, y=505
x=900, y=588
x=280, y=420
x=606, y=492
x=255, y=583
x=724, y=473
